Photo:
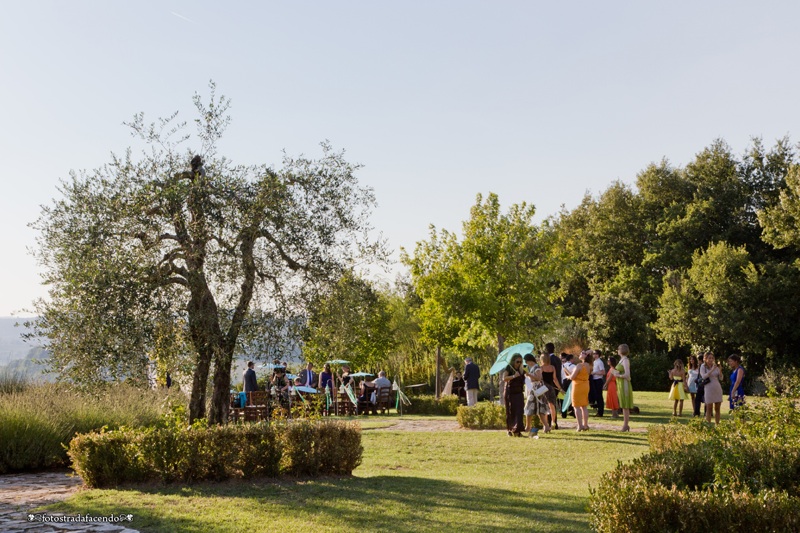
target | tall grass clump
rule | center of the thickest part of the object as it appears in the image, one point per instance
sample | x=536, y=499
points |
x=13, y=381
x=37, y=421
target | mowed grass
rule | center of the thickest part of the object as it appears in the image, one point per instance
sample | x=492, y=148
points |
x=408, y=482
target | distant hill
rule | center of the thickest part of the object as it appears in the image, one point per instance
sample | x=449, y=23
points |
x=29, y=365
x=11, y=344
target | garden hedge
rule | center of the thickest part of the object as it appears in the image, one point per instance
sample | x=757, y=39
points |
x=197, y=453
x=739, y=476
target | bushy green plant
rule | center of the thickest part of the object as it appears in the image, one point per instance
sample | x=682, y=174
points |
x=173, y=452
x=484, y=415
x=37, y=422
x=739, y=475
x=429, y=405
x=781, y=381
x=636, y=506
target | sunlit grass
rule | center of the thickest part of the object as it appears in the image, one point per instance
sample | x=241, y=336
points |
x=408, y=482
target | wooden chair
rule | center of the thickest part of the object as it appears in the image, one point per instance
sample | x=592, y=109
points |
x=257, y=397
x=344, y=406
x=383, y=399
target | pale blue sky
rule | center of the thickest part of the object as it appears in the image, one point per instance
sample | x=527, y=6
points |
x=537, y=101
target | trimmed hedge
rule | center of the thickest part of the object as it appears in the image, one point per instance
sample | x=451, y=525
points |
x=738, y=476
x=196, y=453
x=484, y=415
x=429, y=405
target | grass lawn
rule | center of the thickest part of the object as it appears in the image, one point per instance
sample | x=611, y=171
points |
x=408, y=482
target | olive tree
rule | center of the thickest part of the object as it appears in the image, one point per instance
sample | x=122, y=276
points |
x=183, y=236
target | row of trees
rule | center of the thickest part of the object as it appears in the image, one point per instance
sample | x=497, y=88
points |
x=700, y=257
x=189, y=260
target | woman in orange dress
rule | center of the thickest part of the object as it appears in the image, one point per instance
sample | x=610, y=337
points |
x=612, y=400
x=580, y=391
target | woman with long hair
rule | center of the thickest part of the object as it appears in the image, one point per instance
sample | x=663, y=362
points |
x=612, y=400
x=711, y=374
x=535, y=405
x=691, y=378
x=624, y=389
x=677, y=391
x=552, y=381
x=514, y=396
x=736, y=395
x=579, y=376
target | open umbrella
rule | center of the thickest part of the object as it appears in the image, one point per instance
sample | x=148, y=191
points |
x=361, y=375
x=308, y=390
x=504, y=358
x=337, y=362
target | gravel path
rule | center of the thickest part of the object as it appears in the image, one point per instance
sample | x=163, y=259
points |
x=21, y=493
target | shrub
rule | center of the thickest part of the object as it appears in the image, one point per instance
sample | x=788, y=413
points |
x=38, y=421
x=634, y=506
x=484, y=415
x=172, y=453
x=739, y=475
x=325, y=446
x=781, y=381
x=429, y=405
x=674, y=436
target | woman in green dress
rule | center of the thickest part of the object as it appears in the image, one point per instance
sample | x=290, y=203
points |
x=624, y=390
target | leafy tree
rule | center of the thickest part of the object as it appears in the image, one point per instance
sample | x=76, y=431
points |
x=781, y=221
x=616, y=319
x=143, y=240
x=726, y=302
x=491, y=286
x=351, y=322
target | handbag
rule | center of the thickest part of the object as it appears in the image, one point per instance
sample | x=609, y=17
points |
x=542, y=389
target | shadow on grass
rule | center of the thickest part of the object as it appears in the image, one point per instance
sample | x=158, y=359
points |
x=380, y=503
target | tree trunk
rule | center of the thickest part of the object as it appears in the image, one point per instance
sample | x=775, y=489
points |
x=220, y=397
x=207, y=340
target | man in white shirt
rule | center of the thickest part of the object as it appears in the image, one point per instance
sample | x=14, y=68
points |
x=596, y=383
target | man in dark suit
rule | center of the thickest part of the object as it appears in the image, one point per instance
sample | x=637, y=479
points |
x=307, y=377
x=471, y=376
x=250, y=384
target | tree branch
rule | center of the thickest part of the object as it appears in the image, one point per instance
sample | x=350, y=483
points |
x=291, y=263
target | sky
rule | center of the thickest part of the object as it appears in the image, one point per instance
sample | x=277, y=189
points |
x=535, y=101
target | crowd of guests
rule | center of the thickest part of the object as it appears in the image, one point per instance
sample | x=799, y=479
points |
x=309, y=381
x=542, y=387
x=701, y=383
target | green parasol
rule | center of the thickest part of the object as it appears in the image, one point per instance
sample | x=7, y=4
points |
x=506, y=355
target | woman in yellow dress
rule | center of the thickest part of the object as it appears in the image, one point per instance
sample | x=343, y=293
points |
x=580, y=391
x=678, y=388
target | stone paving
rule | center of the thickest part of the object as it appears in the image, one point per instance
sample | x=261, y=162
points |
x=20, y=494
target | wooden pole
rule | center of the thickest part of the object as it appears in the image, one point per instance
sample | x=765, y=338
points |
x=438, y=365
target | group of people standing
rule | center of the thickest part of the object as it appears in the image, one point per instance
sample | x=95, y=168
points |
x=581, y=383
x=702, y=383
